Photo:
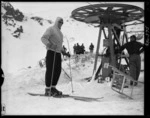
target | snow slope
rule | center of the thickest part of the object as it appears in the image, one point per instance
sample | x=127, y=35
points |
x=17, y=101
x=28, y=50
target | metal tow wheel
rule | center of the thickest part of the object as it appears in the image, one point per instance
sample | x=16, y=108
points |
x=107, y=13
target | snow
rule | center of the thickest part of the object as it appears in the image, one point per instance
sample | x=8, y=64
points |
x=18, y=102
x=19, y=54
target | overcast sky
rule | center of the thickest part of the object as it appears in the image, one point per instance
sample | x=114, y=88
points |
x=63, y=9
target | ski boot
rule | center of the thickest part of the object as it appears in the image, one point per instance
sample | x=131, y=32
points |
x=55, y=92
x=48, y=92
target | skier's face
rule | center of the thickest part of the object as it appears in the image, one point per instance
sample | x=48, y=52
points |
x=60, y=23
x=132, y=39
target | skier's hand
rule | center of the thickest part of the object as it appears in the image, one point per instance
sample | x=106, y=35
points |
x=68, y=55
x=62, y=50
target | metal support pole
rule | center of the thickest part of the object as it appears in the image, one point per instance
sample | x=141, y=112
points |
x=125, y=36
x=98, y=46
x=104, y=33
x=115, y=35
x=113, y=60
x=125, y=32
x=118, y=42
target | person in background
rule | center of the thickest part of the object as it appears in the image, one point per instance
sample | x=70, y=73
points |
x=74, y=48
x=91, y=48
x=82, y=49
x=53, y=40
x=77, y=49
x=134, y=49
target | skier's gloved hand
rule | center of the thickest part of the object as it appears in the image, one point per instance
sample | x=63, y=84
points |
x=67, y=54
x=63, y=52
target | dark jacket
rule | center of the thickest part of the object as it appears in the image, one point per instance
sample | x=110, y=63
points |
x=133, y=47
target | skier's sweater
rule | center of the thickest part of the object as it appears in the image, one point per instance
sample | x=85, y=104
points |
x=53, y=36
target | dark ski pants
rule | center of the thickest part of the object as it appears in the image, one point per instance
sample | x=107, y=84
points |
x=135, y=66
x=49, y=68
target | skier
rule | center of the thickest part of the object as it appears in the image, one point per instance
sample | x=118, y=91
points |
x=82, y=48
x=91, y=48
x=53, y=39
x=74, y=49
x=134, y=49
x=77, y=49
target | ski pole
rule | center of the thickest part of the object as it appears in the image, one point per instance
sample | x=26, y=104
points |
x=66, y=74
x=71, y=76
x=70, y=67
x=52, y=70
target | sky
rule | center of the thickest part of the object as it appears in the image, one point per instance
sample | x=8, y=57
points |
x=45, y=8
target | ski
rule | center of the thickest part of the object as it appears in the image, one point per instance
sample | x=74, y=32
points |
x=37, y=94
x=88, y=99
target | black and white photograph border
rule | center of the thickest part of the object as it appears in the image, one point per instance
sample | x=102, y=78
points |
x=90, y=81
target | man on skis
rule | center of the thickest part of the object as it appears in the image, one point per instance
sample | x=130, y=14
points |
x=53, y=40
